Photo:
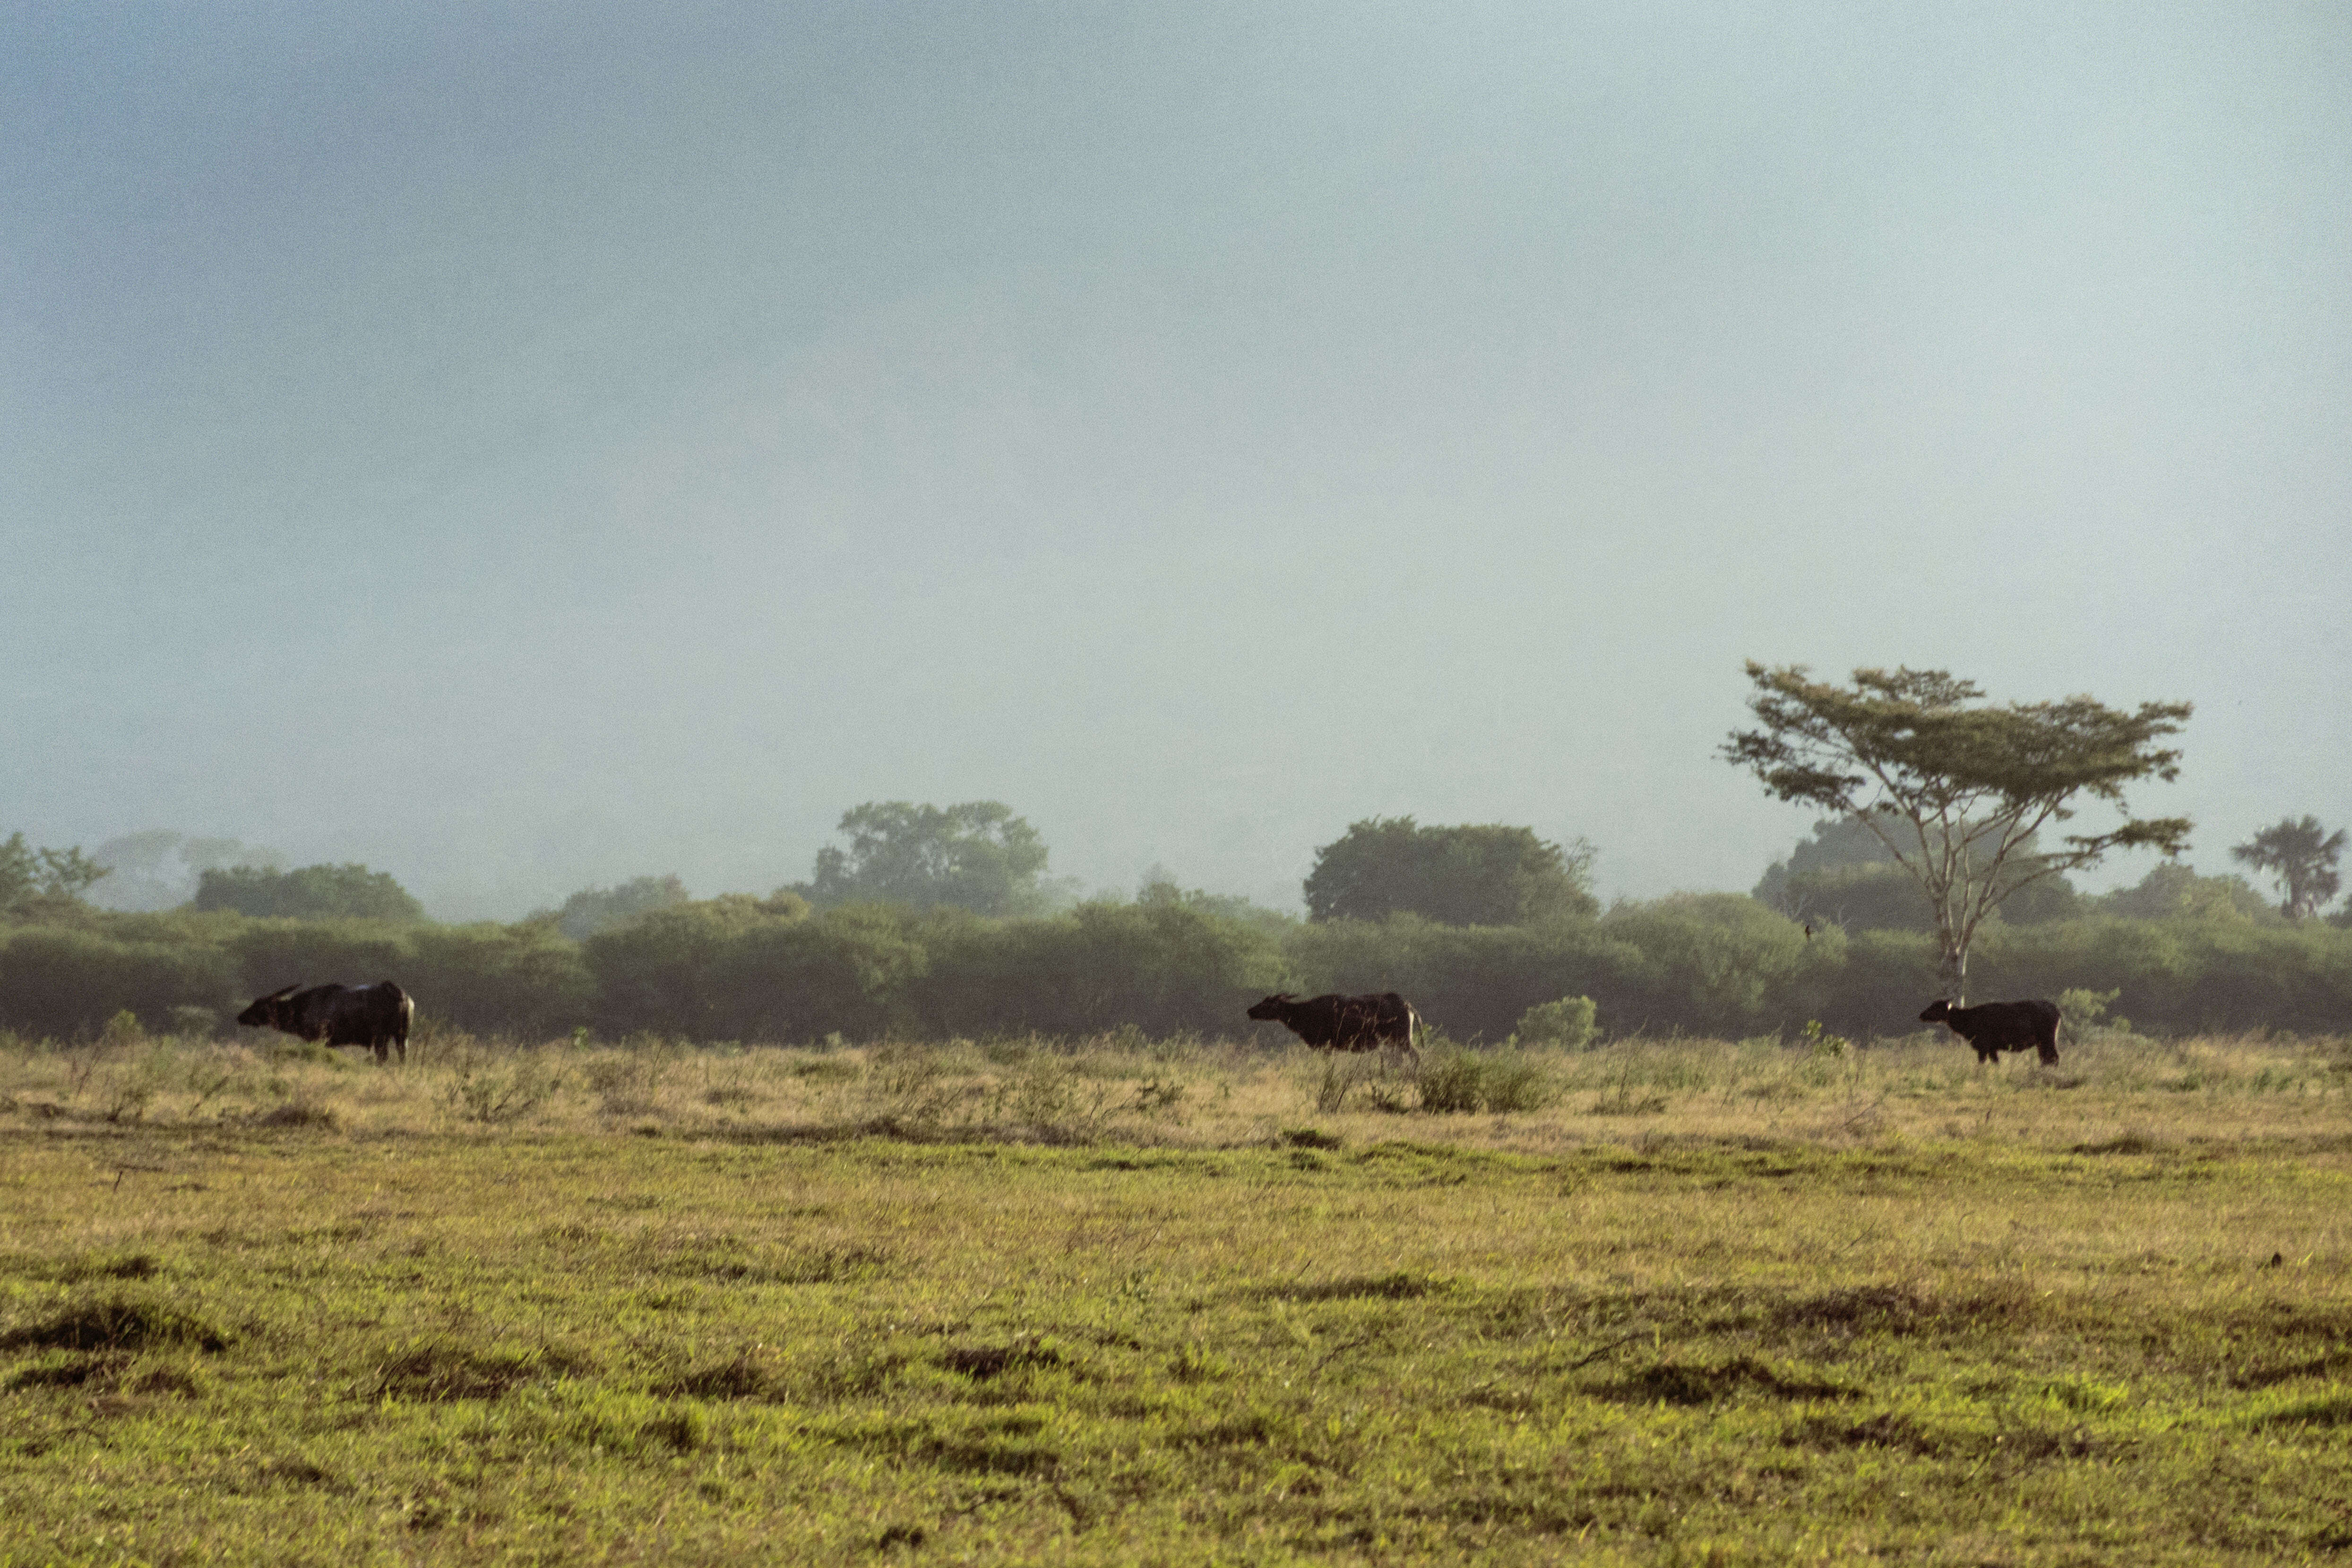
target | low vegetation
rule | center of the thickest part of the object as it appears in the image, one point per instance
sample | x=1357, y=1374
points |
x=738, y=968
x=1122, y=1300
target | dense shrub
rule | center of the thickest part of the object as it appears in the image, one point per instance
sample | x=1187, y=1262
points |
x=1567, y=1023
x=1165, y=967
x=658, y=972
x=496, y=979
x=1473, y=982
x=1454, y=1081
x=1716, y=964
x=849, y=971
x=63, y=982
x=274, y=952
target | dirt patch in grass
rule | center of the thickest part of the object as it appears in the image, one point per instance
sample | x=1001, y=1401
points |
x=70, y=1373
x=747, y=1374
x=1861, y=1309
x=76, y=1269
x=1897, y=1309
x=797, y=1266
x=1888, y=1429
x=440, y=1370
x=2122, y=1143
x=294, y=1470
x=1674, y=1383
x=298, y=1113
x=116, y=1324
x=2327, y=1410
x=983, y=1362
x=2269, y=1377
x=1402, y=1285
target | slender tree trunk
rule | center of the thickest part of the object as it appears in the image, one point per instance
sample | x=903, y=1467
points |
x=1952, y=973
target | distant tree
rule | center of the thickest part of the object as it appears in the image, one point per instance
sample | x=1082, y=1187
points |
x=1160, y=890
x=158, y=869
x=1844, y=875
x=1956, y=789
x=30, y=877
x=977, y=855
x=593, y=910
x=2301, y=858
x=2172, y=892
x=349, y=892
x=1455, y=876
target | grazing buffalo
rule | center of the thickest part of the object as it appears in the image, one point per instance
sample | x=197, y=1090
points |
x=376, y=1016
x=1993, y=1027
x=1381, y=1022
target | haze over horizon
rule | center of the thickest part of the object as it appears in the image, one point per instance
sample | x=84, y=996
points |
x=523, y=448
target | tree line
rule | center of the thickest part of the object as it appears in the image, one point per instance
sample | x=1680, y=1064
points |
x=939, y=920
x=1168, y=962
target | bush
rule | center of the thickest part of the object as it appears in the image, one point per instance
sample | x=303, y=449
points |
x=1516, y=1083
x=497, y=979
x=63, y=982
x=2085, y=1012
x=1165, y=967
x=660, y=972
x=270, y=953
x=494, y=1095
x=1471, y=981
x=1567, y=1023
x=1456, y=1082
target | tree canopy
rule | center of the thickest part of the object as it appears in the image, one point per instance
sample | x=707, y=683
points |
x=2301, y=857
x=2173, y=891
x=30, y=877
x=1955, y=788
x=1457, y=876
x=1843, y=875
x=592, y=909
x=349, y=892
x=977, y=855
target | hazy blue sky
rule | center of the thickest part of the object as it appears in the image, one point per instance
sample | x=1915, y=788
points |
x=523, y=448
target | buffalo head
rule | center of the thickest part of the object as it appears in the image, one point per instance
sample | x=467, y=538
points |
x=267, y=1011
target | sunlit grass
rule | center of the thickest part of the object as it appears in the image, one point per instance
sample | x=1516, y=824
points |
x=1117, y=1301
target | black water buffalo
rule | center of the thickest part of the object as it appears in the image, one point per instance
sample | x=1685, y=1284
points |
x=1993, y=1027
x=1378, y=1022
x=376, y=1016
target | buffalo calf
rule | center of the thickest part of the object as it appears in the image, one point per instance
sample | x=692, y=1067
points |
x=1993, y=1027
x=374, y=1016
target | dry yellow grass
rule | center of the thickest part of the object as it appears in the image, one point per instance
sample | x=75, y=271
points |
x=1208, y=1094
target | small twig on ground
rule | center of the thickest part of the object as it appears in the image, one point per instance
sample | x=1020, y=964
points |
x=1615, y=1344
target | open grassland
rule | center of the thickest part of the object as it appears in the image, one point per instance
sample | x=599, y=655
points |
x=1675, y=1302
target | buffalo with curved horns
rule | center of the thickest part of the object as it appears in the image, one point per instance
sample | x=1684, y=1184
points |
x=374, y=1016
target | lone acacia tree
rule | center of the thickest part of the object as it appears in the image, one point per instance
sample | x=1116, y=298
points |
x=2301, y=855
x=1957, y=788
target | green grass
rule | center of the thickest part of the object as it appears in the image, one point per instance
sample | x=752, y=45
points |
x=1000, y=1305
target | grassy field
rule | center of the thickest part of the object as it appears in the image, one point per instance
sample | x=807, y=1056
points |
x=1664, y=1301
